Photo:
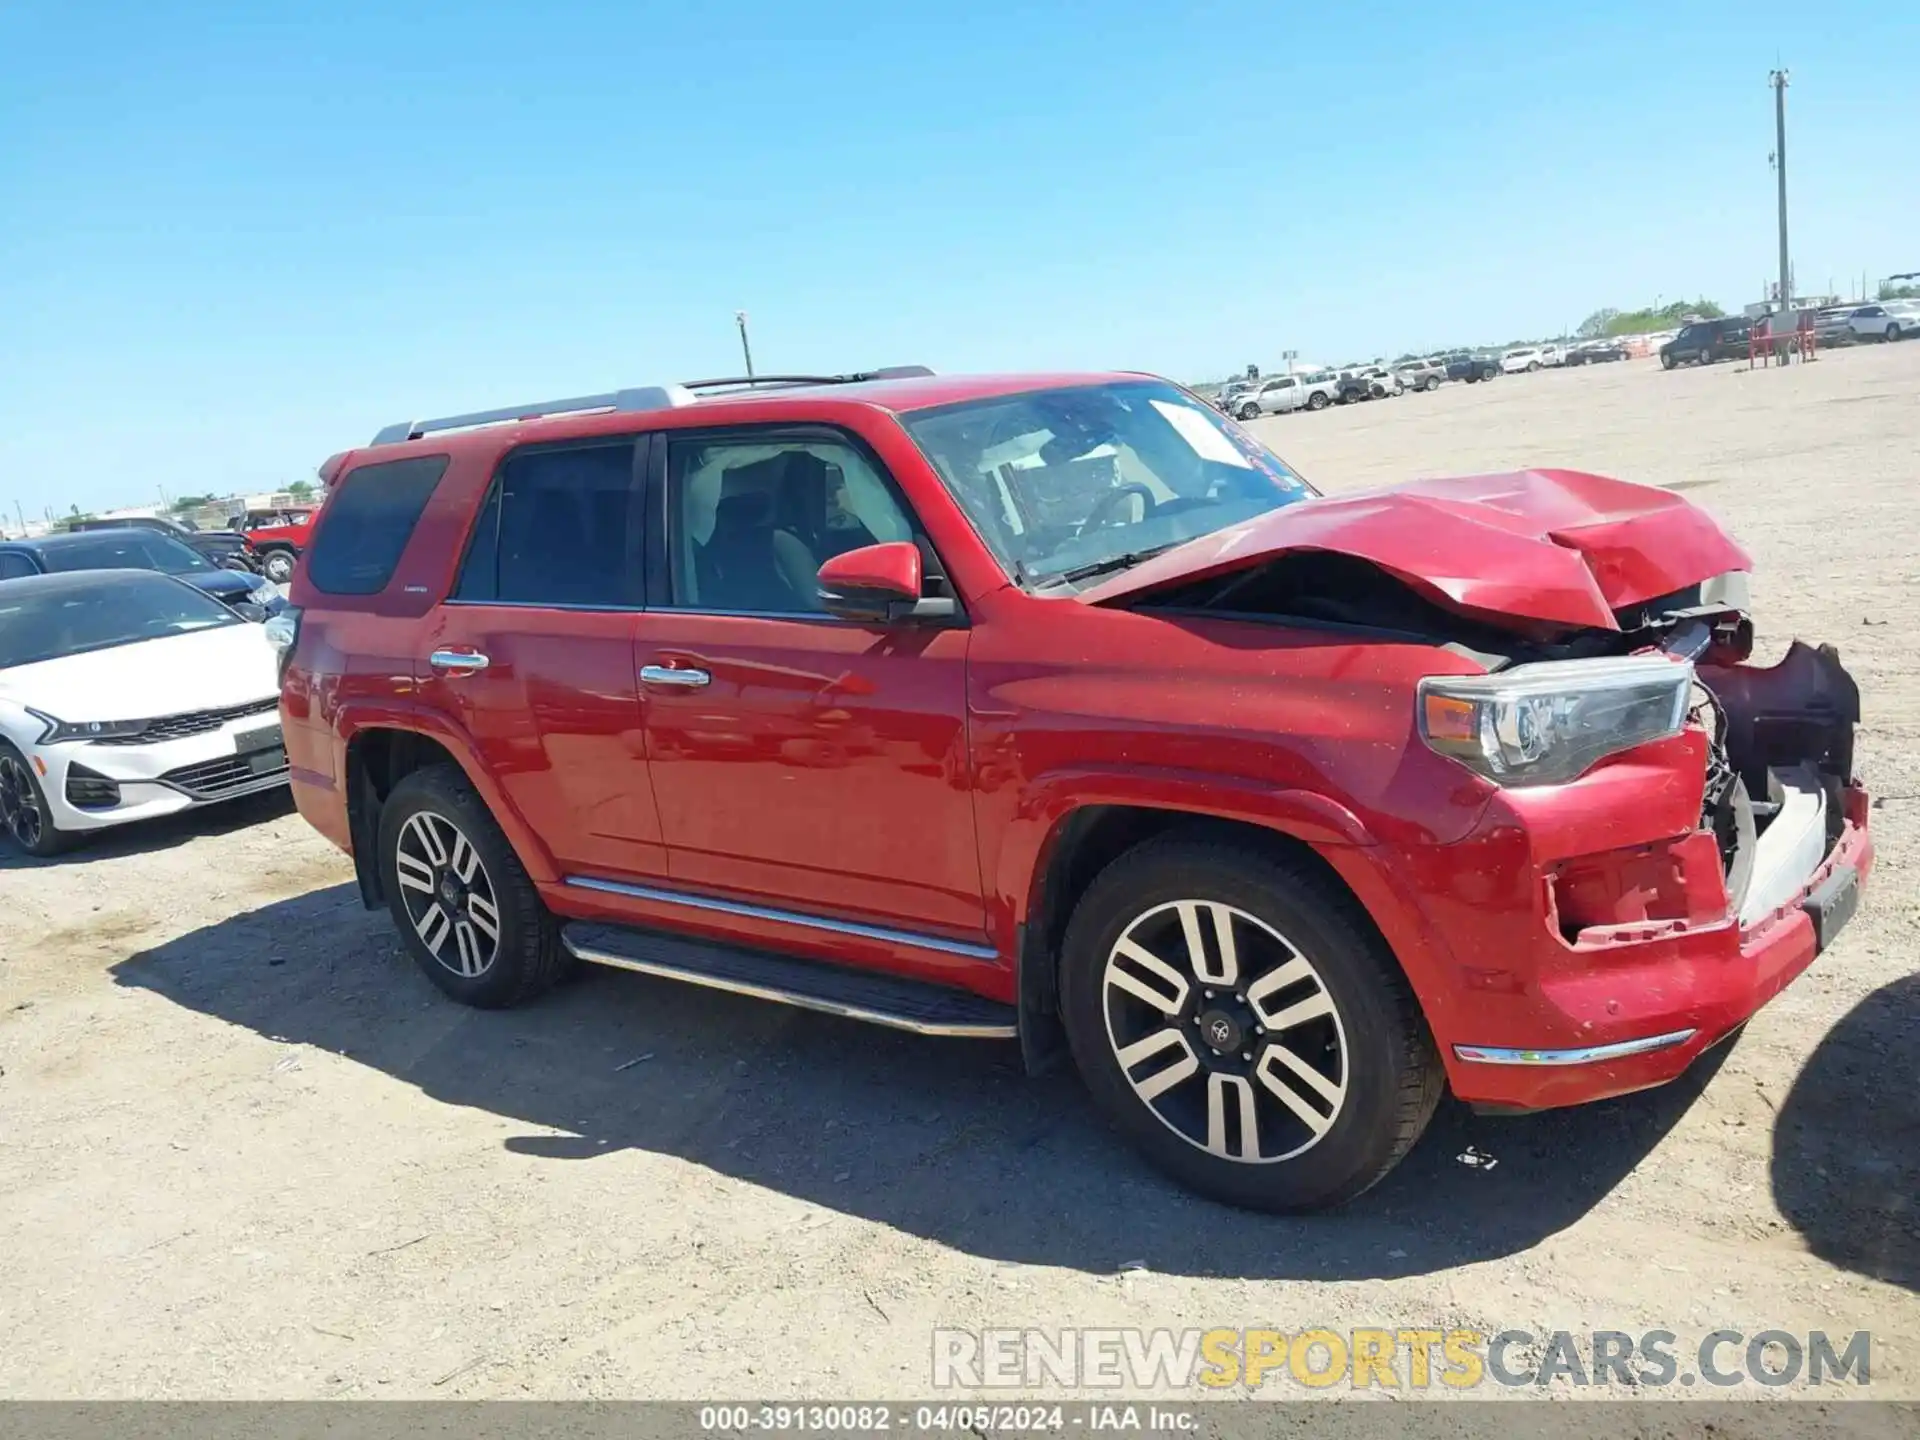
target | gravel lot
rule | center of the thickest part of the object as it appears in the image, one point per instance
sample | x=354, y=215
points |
x=245, y=1150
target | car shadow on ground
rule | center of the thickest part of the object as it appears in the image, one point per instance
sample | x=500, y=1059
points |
x=1846, y=1145
x=149, y=836
x=946, y=1139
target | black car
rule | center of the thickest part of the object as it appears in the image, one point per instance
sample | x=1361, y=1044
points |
x=1704, y=341
x=221, y=547
x=1472, y=367
x=1596, y=352
x=137, y=548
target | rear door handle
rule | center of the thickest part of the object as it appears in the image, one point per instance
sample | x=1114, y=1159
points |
x=674, y=676
x=458, y=662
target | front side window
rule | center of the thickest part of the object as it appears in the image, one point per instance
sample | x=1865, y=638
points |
x=1066, y=484
x=559, y=528
x=751, y=520
x=14, y=566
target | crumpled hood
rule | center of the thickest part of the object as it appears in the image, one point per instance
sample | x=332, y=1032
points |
x=1557, y=546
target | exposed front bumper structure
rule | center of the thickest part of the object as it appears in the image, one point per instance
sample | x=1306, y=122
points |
x=1585, y=939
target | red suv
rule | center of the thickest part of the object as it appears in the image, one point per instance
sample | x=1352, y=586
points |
x=276, y=540
x=1059, y=707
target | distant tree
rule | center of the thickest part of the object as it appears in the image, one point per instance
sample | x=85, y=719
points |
x=1638, y=322
x=190, y=502
x=300, y=489
x=1899, y=292
x=1598, y=324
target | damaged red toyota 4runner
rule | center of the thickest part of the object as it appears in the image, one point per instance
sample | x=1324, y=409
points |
x=1059, y=708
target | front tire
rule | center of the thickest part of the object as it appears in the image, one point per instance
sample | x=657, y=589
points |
x=25, y=817
x=1249, y=412
x=1239, y=1017
x=1893, y=331
x=277, y=566
x=464, y=903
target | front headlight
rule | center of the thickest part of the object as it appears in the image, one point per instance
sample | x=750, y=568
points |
x=59, y=731
x=1551, y=722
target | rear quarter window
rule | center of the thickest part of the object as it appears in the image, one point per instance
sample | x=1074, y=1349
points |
x=367, y=522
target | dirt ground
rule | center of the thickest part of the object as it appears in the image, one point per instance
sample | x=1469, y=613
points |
x=247, y=1151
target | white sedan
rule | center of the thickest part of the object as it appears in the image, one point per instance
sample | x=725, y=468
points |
x=124, y=695
x=1527, y=357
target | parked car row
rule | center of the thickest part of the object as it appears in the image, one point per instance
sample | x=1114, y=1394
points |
x=1315, y=390
x=267, y=543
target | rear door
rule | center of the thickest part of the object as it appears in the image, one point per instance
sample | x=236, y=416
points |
x=533, y=651
x=803, y=763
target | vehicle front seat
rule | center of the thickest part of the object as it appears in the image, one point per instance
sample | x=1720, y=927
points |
x=749, y=564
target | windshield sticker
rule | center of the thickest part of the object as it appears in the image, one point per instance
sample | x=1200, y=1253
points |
x=1206, y=438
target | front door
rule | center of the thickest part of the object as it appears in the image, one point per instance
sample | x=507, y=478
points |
x=801, y=763
x=533, y=652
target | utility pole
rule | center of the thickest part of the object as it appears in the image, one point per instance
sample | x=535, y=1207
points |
x=1778, y=79
x=746, y=351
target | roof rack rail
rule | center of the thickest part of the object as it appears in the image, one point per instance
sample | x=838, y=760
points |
x=645, y=397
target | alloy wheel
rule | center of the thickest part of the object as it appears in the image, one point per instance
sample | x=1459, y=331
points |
x=448, y=894
x=1225, y=1031
x=19, y=808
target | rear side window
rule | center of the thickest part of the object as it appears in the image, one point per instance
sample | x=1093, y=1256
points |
x=369, y=519
x=560, y=528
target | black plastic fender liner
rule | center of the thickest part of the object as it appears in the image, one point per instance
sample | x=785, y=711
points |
x=1799, y=711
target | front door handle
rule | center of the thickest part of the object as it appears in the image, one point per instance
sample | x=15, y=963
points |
x=458, y=662
x=673, y=675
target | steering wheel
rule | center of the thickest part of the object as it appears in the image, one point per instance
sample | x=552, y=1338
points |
x=1097, y=516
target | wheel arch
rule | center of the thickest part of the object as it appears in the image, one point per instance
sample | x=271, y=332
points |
x=1082, y=838
x=379, y=756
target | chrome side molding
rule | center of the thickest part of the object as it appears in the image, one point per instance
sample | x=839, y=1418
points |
x=1592, y=1054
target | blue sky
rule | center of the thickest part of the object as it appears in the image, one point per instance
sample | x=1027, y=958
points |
x=233, y=240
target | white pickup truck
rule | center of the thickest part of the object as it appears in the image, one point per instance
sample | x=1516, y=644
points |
x=1281, y=393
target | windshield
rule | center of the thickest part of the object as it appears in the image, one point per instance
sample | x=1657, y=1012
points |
x=1057, y=481
x=39, y=622
x=125, y=550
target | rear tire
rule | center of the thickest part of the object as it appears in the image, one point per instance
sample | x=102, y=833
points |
x=1193, y=1076
x=460, y=896
x=1317, y=400
x=25, y=816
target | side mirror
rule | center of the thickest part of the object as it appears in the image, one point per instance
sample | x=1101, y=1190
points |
x=250, y=610
x=878, y=583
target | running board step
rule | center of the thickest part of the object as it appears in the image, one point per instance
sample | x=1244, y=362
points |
x=877, y=999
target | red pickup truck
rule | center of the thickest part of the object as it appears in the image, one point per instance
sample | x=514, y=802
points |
x=1058, y=708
